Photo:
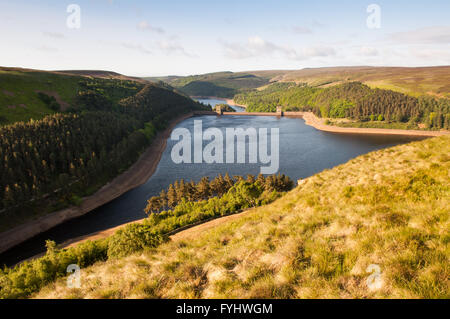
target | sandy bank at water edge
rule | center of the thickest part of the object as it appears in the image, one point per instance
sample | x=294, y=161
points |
x=314, y=121
x=135, y=176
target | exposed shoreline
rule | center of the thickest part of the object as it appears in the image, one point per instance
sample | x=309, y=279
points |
x=135, y=176
x=232, y=102
x=314, y=121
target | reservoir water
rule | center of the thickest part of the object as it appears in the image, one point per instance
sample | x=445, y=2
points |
x=304, y=151
x=214, y=102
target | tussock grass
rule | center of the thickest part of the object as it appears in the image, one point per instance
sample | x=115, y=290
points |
x=389, y=208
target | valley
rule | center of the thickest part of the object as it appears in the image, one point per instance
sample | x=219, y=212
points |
x=111, y=205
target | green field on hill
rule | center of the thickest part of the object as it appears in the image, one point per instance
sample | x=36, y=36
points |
x=220, y=84
x=432, y=81
x=19, y=100
x=27, y=94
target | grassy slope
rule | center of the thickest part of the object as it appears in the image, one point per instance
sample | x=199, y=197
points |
x=389, y=207
x=414, y=81
x=221, y=84
x=18, y=93
x=102, y=74
x=19, y=87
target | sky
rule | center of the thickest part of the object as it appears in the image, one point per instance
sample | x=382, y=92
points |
x=179, y=37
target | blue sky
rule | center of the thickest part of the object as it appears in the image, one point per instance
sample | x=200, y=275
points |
x=146, y=38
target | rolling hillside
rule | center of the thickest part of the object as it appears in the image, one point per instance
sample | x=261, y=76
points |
x=221, y=84
x=413, y=81
x=28, y=94
x=19, y=88
x=354, y=102
x=433, y=81
x=102, y=74
x=375, y=227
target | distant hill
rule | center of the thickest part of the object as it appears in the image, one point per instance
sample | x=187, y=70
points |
x=32, y=94
x=102, y=74
x=19, y=88
x=412, y=81
x=353, y=101
x=220, y=84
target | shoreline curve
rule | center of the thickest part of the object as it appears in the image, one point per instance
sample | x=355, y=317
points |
x=312, y=120
x=136, y=175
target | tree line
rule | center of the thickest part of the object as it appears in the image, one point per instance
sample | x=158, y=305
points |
x=206, y=188
x=224, y=108
x=352, y=100
x=40, y=157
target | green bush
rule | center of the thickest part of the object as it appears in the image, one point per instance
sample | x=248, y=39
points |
x=30, y=276
x=133, y=238
x=50, y=101
x=76, y=200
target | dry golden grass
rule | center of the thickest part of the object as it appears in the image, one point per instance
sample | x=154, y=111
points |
x=433, y=81
x=389, y=208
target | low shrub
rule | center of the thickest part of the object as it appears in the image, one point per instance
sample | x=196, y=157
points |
x=133, y=238
x=30, y=276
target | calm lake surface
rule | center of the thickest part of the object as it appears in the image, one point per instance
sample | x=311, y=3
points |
x=304, y=151
x=214, y=102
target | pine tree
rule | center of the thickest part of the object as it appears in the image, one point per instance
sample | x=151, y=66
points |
x=171, y=196
x=153, y=205
x=261, y=179
x=163, y=198
x=181, y=190
x=229, y=181
x=203, y=188
x=220, y=185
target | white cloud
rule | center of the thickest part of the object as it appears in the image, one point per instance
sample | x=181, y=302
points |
x=318, y=24
x=302, y=30
x=136, y=47
x=172, y=47
x=368, y=51
x=433, y=54
x=145, y=26
x=321, y=51
x=430, y=35
x=45, y=48
x=54, y=35
x=256, y=46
